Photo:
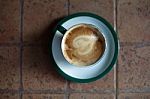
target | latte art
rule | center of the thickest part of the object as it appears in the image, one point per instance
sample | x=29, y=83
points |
x=82, y=45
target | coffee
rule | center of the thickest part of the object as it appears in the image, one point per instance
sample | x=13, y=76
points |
x=83, y=45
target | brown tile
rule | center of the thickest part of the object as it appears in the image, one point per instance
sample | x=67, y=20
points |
x=133, y=20
x=9, y=68
x=133, y=72
x=9, y=21
x=40, y=17
x=9, y=96
x=43, y=96
x=106, y=83
x=90, y=96
x=103, y=8
x=134, y=96
x=38, y=70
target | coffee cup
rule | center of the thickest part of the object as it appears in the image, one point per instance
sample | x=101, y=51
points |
x=82, y=44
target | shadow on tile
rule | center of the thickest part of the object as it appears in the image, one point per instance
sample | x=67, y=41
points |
x=47, y=34
x=39, y=72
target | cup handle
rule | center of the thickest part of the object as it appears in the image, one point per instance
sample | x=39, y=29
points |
x=61, y=29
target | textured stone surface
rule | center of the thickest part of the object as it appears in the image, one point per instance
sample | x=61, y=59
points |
x=106, y=83
x=134, y=96
x=9, y=68
x=103, y=8
x=9, y=96
x=40, y=18
x=134, y=20
x=90, y=96
x=43, y=96
x=133, y=67
x=9, y=21
x=38, y=70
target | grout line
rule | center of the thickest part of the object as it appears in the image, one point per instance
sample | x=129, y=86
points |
x=68, y=7
x=64, y=91
x=128, y=90
x=135, y=44
x=9, y=44
x=122, y=44
x=44, y=91
x=66, y=86
x=21, y=21
x=67, y=90
x=116, y=65
x=135, y=90
x=67, y=82
x=116, y=80
x=9, y=91
x=108, y=91
x=21, y=47
x=21, y=43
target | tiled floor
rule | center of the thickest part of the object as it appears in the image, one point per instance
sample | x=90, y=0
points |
x=27, y=71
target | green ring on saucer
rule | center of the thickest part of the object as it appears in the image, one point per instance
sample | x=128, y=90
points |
x=115, y=41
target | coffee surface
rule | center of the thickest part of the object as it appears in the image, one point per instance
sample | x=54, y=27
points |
x=83, y=46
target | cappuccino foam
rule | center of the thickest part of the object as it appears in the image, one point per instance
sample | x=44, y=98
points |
x=82, y=45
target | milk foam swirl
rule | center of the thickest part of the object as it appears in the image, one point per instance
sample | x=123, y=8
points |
x=84, y=44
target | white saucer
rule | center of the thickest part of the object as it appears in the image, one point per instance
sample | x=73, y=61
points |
x=100, y=68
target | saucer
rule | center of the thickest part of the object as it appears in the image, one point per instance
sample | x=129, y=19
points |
x=100, y=68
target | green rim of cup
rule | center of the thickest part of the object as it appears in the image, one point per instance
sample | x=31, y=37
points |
x=115, y=54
